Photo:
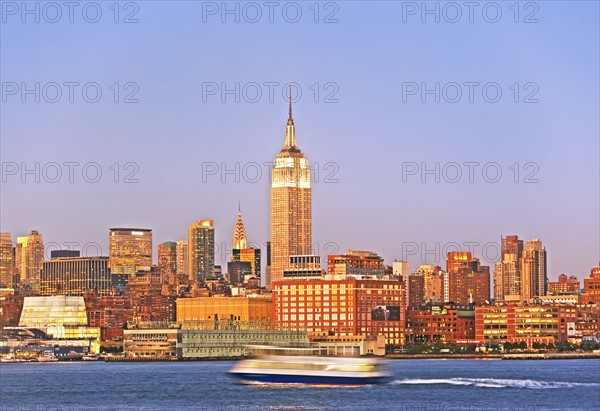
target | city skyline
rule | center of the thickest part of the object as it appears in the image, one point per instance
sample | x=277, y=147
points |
x=360, y=141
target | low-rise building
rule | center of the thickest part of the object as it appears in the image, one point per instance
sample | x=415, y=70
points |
x=342, y=307
x=440, y=324
x=252, y=308
x=528, y=323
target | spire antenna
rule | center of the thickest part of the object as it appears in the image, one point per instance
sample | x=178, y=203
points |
x=290, y=98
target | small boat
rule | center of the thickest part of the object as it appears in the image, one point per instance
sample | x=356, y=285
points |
x=310, y=369
x=90, y=357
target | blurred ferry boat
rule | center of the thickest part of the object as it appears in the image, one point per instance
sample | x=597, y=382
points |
x=298, y=366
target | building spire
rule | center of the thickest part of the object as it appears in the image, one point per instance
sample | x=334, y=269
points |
x=239, y=233
x=290, y=131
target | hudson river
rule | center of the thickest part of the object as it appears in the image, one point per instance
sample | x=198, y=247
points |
x=419, y=385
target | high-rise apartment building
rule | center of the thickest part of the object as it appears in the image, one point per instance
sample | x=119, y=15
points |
x=521, y=275
x=130, y=250
x=6, y=260
x=507, y=273
x=182, y=257
x=201, y=250
x=290, y=209
x=167, y=258
x=34, y=258
x=533, y=270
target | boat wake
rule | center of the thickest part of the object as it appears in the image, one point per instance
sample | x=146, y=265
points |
x=496, y=383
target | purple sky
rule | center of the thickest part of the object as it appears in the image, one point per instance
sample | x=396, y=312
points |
x=363, y=120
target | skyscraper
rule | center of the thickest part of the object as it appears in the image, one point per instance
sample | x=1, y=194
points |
x=291, y=210
x=34, y=258
x=130, y=249
x=182, y=257
x=167, y=258
x=240, y=250
x=521, y=274
x=6, y=260
x=201, y=250
x=21, y=258
x=533, y=270
x=239, y=241
x=507, y=273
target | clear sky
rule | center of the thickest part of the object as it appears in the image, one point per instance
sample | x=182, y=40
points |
x=366, y=130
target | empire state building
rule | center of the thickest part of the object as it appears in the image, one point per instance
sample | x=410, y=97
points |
x=291, y=209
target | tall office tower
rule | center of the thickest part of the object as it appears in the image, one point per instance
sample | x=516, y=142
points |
x=291, y=211
x=6, y=260
x=167, y=258
x=75, y=276
x=533, y=270
x=130, y=250
x=511, y=245
x=182, y=257
x=507, y=273
x=240, y=250
x=201, y=250
x=20, y=258
x=34, y=258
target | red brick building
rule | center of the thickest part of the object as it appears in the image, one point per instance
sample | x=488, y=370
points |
x=10, y=310
x=443, y=324
x=591, y=287
x=564, y=285
x=110, y=313
x=529, y=323
x=340, y=308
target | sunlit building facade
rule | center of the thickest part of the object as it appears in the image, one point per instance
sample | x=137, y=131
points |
x=290, y=205
x=130, y=250
x=533, y=270
x=564, y=285
x=210, y=309
x=62, y=317
x=440, y=324
x=527, y=323
x=75, y=276
x=340, y=308
x=355, y=263
x=591, y=287
x=167, y=258
x=182, y=257
x=201, y=250
x=6, y=260
x=34, y=258
x=240, y=250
